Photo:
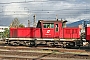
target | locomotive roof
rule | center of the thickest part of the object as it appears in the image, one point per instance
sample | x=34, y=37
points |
x=52, y=21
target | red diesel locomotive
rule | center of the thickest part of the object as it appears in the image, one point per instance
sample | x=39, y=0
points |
x=49, y=33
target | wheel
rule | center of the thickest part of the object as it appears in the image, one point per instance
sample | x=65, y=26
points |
x=27, y=44
x=14, y=43
x=32, y=43
x=64, y=45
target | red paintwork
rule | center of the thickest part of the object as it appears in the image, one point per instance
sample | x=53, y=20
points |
x=36, y=33
x=88, y=33
x=47, y=33
x=25, y=32
x=61, y=33
x=13, y=32
x=31, y=32
x=57, y=34
x=71, y=33
x=51, y=32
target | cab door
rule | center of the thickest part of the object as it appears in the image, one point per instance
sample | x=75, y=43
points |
x=56, y=30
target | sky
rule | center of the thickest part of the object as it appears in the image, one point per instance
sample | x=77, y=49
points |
x=24, y=10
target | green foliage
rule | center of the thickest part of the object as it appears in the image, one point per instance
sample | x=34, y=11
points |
x=5, y=33
x=21, y=25
x=15, y=23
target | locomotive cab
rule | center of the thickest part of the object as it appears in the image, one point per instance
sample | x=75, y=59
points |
x=50, y=29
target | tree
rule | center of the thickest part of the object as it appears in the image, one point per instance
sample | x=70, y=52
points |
x=6, y=33
x=15, y=23
x=21, y=25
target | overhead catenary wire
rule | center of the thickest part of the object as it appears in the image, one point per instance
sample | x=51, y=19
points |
x=21, y=2
x=45, y=11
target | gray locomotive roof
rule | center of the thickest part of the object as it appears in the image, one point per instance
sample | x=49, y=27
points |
x=52, y=21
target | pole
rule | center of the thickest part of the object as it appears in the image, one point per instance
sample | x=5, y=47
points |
x=28, y=23
x=34, y=21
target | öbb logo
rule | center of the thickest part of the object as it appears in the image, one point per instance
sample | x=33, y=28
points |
x=48, y=31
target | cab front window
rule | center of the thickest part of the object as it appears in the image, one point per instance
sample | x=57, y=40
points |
x=48, y=25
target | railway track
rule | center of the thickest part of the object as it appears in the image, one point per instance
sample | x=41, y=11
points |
x=40, y=53
x=35, y=55
x=27, y=53
x=16, y=48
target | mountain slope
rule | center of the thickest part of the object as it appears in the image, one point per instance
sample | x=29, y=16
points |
x=75, y=24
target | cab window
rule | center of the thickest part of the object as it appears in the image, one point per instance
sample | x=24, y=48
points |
x=48, y=25
x=56, y=26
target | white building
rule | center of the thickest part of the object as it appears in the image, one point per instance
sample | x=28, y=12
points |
x=2, y=28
